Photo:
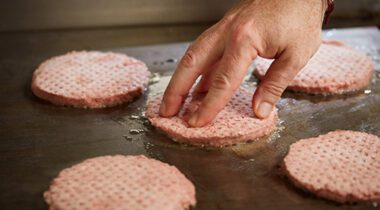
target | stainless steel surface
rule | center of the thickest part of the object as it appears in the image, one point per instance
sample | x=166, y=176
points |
x=38, y=139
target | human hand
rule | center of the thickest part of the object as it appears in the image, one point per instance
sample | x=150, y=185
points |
x=287, y=31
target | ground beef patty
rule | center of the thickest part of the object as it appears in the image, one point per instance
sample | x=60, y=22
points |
x=343, y=166
x=121, y=182
x=335, y=68
x=90, y=79
x=236, y=123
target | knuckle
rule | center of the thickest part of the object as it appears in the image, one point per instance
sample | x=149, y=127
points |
x=228, y=17
x=240, y=32
x=273, y=89
x=188, y=60
x=222, y=82
x=224, y=23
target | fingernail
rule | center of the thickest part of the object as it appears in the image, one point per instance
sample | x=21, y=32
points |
x=264, y=109
x=193, y=120
x=162, y=108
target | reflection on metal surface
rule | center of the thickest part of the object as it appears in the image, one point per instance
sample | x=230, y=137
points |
x=134, y=117
x=136, y=131
x=154, y=78
x=158, y=88
x=330, y=33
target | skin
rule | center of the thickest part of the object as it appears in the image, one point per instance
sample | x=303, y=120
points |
x=287, y=31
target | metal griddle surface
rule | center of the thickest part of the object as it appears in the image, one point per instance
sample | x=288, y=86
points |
x=38, y=139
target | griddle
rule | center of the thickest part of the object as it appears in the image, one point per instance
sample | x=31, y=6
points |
x=38, y=139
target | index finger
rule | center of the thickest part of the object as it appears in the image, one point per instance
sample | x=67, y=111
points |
x=201, y=54
x=227, y=79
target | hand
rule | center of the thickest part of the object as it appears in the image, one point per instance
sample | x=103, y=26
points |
x=287, y=31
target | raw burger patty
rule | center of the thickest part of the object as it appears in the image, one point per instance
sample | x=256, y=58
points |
x=335, y=68
x=236, y=123
x=90, y=79
x=343, y=166
x=121, y=182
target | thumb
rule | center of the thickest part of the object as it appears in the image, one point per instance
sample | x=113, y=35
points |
x=277, y=78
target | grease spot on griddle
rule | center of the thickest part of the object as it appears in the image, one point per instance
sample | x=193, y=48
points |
x=154, y=78
x=136, y=131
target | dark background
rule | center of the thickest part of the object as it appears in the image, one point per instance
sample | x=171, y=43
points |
x=136, y=22
x=46, y=14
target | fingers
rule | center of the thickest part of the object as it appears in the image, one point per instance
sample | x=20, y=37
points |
x=205, y=82
x=206, y=50
x=279, y=75
x=224, y=82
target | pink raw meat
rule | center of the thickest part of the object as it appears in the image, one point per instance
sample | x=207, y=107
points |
x=335, y=68
x=90, y=79
x=343, y=166
x=236, y=123
x=122, y=183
